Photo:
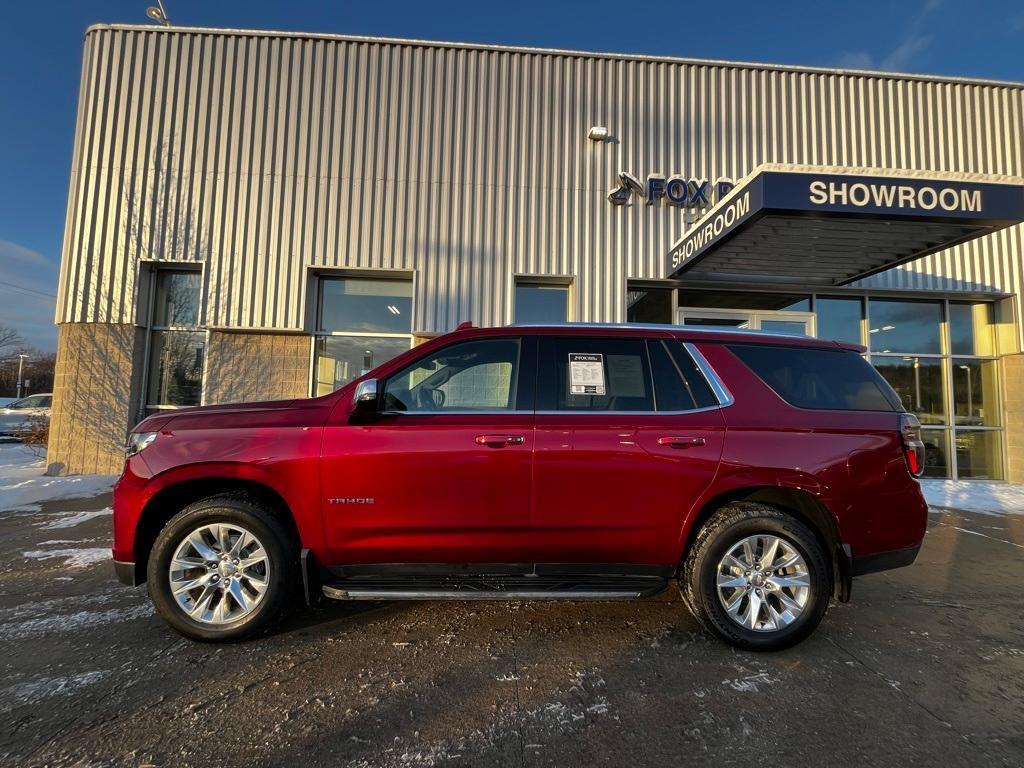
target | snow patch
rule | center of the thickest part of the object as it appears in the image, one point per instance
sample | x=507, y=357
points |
x=71, y=519
x=73, y=558
x=23, y=486
x=751, y=683
x=44, y=687
x=975, y=496
x=72, y=622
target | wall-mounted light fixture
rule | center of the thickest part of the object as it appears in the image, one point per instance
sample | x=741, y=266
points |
x=598, y=133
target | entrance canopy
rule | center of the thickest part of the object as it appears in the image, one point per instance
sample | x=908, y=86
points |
x=831, y=226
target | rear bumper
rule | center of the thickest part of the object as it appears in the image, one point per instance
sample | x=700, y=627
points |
x=126, y=573
x=884, y=561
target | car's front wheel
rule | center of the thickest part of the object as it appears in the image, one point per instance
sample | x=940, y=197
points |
x=221, y=569
x=757, y=577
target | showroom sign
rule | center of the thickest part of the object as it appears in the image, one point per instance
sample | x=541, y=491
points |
x=677, y=190
x=926, y=197
x=951, y=207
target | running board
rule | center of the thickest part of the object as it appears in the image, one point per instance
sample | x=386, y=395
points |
x=501, y=588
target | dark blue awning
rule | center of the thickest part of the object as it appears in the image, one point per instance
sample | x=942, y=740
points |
x=832, y=226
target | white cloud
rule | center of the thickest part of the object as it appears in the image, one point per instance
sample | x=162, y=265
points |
x=904, y=54
x=28, y=282
x=914, y=42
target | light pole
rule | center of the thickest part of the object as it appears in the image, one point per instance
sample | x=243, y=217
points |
x=970, y=390
x=22, y=357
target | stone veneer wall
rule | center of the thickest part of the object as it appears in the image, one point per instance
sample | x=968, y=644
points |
x=256, y=366
x=95, y=397
x=1013, y=403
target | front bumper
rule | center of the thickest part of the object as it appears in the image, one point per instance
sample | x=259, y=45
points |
x=126, y=573
x=884, y=561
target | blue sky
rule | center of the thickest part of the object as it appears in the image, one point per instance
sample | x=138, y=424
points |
x=40, y=55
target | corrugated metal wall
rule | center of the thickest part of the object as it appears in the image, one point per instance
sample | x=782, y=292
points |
x=263, y=155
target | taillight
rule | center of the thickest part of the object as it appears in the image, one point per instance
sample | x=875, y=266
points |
x=913, y=445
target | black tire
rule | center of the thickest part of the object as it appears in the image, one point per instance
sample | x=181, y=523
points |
x=727, y=527
x=281, y=551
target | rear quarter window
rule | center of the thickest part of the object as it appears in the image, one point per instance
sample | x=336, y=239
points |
x=822, y=379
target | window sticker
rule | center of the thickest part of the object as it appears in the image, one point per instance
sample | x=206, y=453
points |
x=586, y=374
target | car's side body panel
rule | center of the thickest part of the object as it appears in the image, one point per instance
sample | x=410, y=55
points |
x=579, y=488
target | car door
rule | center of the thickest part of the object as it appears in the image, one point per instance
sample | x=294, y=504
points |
x=625, y=444
x=442, y=473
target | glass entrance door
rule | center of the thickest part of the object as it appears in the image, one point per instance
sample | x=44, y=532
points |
x=796, y=323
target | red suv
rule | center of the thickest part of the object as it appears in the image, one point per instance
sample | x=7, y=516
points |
x=578, y=462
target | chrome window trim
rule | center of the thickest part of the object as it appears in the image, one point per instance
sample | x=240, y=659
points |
x=456, y=412
x=570, y=412
x=722, y=393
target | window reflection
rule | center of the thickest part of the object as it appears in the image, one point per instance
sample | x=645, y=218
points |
x=974, y=392
x=904, y=326
x=340, y=359
x=176, y=367
x=979, y=454
x=538, y=303
x=838, y=318
x=971, y=329
x=936, y=452
x=357, y=304
x=918, y=382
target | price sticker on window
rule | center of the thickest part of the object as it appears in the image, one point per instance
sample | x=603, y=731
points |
x=586, y=374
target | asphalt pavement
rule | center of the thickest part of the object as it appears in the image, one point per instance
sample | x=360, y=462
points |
x=924, y=667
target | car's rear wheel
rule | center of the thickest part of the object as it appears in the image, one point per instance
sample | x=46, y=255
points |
x=757, y=577
x=221, y=569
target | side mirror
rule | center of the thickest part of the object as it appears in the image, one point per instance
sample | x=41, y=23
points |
x=365, y=399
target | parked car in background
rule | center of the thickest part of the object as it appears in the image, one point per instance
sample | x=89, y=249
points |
x=16, y=417
x=759, y=472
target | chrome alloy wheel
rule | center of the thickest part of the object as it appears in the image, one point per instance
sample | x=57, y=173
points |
x=219, y=573
x=764, y=583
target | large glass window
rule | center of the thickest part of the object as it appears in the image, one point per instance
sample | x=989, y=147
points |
x=358, y=304
x=838, y=318
x=974, y=392
x=905, y=326
x=918, y=382
x=971, y=329
x=541, y=302
x=471, y=376
x=979, y=454
x=177, y=344
x=649, y=306
x=361, y=323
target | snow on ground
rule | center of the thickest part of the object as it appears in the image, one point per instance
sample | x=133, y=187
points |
x=975, y=496
x=23, y=486
x=71, y=519
x=73, y=558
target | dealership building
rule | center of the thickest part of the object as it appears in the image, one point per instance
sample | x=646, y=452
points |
x=264, y=215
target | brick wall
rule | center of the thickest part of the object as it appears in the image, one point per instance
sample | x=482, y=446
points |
x=1013, y=402
x=95, y=397
x=256, y=366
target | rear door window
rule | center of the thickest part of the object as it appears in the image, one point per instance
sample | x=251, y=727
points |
x=823, y=379
x=590, y=374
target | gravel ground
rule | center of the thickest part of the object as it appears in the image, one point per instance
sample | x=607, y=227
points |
x=925, y=667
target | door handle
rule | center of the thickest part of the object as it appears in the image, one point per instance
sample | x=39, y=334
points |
x=499, y=441
x=681, y=442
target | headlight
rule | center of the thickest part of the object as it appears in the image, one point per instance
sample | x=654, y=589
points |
x=137, y=441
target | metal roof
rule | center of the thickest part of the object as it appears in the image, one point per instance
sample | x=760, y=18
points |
x=831, y=226
x=613, y=55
